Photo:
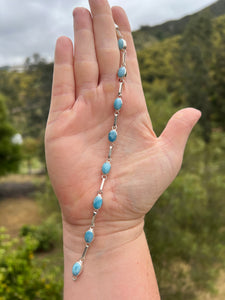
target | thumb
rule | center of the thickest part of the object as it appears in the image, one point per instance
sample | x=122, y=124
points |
x=178, y=129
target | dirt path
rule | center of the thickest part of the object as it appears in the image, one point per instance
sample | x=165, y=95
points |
x=16, y=189
x=14, y=213
x=17, y=204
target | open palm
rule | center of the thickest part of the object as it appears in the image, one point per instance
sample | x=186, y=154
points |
x=85, y=85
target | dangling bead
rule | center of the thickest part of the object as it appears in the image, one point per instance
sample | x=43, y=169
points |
x=77, y=268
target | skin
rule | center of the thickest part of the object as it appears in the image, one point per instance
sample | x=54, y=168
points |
x=85, y=85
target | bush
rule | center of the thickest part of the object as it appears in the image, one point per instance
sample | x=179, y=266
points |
x=46, y=235
x=21, y=277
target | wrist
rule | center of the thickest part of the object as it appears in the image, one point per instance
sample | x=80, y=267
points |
x=113, y=263
x=108, y=236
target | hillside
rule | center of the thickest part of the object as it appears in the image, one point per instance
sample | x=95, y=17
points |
x=148, y=34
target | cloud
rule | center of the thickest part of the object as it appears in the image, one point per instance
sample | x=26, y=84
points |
x=28, y=27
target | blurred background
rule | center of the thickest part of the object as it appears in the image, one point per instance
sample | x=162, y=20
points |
x=182, y=64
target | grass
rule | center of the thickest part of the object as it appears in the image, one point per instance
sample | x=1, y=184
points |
x=14, y=213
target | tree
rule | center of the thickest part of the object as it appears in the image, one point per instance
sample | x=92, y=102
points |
x=30, y=150
x=194, y=63
x=10, y=153
x=218, y=74
x=37, y=94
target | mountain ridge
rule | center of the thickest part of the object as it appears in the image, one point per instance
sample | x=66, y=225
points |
x=149, y=34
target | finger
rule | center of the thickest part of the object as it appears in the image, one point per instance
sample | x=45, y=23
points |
x=106, y=44
x=120, y=18
x=178, y=129
x=63, y=86
x=85, y=61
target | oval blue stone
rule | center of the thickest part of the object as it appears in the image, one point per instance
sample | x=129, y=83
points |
x=122, y=72
x=121, y=44
x=112, y=135
x=76, y=268
x=97, y=203
x=118, y=103
x=89, y=235
x=106, y=167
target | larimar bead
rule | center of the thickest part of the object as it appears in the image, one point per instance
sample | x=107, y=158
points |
x=97, y=203
x=89, y=235
x=122, y=44
x=112, y=135
x=122, y=72
x=77, y=267
x=118, y=103
x=106, y=167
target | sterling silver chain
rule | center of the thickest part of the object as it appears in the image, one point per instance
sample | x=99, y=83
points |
x=89, y=235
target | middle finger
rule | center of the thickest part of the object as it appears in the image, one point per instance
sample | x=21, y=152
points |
x=106, y=44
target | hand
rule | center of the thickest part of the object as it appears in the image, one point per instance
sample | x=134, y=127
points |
x=85, y=85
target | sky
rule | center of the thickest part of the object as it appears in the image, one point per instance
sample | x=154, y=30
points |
x=32, y=26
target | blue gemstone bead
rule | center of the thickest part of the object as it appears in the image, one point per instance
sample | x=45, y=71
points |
x=76, y=268
x=122, y=72
x=106, y=167
x=112, y=135
x=121, y=44
x=97, y=203
x=118, y=103
x=89, y=235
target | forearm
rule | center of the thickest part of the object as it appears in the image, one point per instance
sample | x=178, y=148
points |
x=118, y=267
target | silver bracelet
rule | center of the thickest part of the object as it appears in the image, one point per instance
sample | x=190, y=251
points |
x=98, y=201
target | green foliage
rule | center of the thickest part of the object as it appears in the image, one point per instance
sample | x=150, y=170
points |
x=190, y=68
x=218, y=73
x=10, y=153
x=47, y=235
x=160, y=110
x=48, y=201
x=142, y=39
x=23, y=278
x=185, y=228
x=28, y=96
x=30, y=150
x=147, y=34
x=30, y=146
x=156, y=61
x=38, y=94
x=194, y=62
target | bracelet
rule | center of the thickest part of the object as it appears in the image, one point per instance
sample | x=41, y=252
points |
x=112, y=136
